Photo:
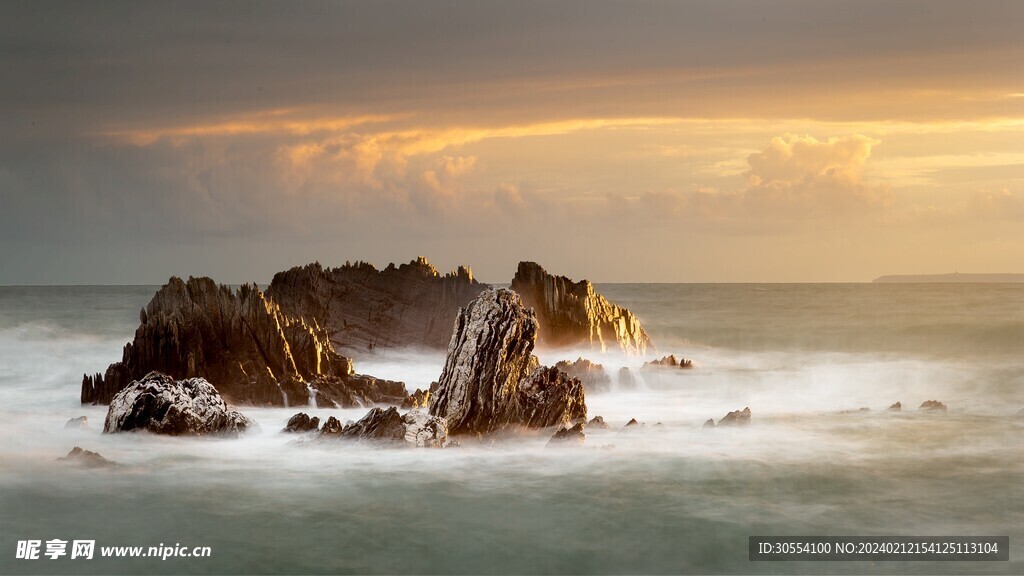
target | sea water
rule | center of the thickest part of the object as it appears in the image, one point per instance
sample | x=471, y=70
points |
x=651, y=499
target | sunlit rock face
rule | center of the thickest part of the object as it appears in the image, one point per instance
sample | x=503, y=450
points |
x=573, y=313
x=592, y=375
x=365, y=309
x=243, y=344
x=491, y=380
x=157, y=403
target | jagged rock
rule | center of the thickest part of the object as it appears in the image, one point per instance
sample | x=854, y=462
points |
x=627, y=380
x=597, y=422
x=159, y=404
x=709, y=423
x=933, y=405
x=87, y=458
x=736, y=418
x=669, y=361
x=387, y=427
x=592, y=375
x=418, y=399
x=242, y=343
x=79, y=423
x=896, y=407
x=300, y=423
x=365, y=309
x=632, y=422
x=573, y=313
x=569, y=436
x=332, y=427
x=491, y=379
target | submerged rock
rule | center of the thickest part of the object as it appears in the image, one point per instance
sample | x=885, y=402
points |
x=87, y=458
x=332, y=427
x=933, y=405
x=573, y=313
x=593, y=376
x=736, y=418
x=368, y=309
x=300, y=423
x=78, y=423
x=159, y=404
x=568, y=436
x=242, y=343
x=491, y=380
x=896, y=407
x=597, y=422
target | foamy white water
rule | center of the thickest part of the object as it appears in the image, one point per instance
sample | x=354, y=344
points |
x=656, y=499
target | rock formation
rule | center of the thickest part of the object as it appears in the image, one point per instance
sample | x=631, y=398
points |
x=300, y=423
x=632, y=422
x=933, y=405
x=669, y=361
x=244, y=345
x=709, y=423
x=365, y=309
x=87, y=459
x=82, y=422
x=592, y=375
x=491, y=380
x=419, y=398
x=569, y=436
x=896, y=407
x=736, y=418
x=388, y=427
x=161, y=405
x=597, y=422
x=573, y=313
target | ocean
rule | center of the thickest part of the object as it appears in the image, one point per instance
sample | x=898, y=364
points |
x=649, y=500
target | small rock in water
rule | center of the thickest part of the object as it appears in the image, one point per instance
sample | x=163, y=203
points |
x=709, y=423
x=933, y=405
x=80, y=422
x=568, y=436
x=87, y=458
x=331, y=428
x=736, y=418
x=896, y=407
x=669, y=361
x=632, y=422
x=418, y=399
x=301, y=422
x=597, y=422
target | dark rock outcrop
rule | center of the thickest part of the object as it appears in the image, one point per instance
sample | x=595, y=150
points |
x=593, y=376
x=366, y=309
x=669, y=361
x=242, y=343
x=491, y=380
x=933, y=406
x=332, y=427
x=300, y=423
x=87, y=459
x=161, y=405
x=573, y=313
x=569, y=436
x=896, y=407
x=736, y=418
x=388, y=427
x=597, y=422
x=81, y=422
x=632, y=422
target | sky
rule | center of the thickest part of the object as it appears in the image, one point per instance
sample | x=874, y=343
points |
x=758, y=141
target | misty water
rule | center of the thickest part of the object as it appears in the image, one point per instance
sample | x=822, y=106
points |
x=653, y=499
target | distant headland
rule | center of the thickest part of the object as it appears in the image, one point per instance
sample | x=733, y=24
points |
x=954, y=277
